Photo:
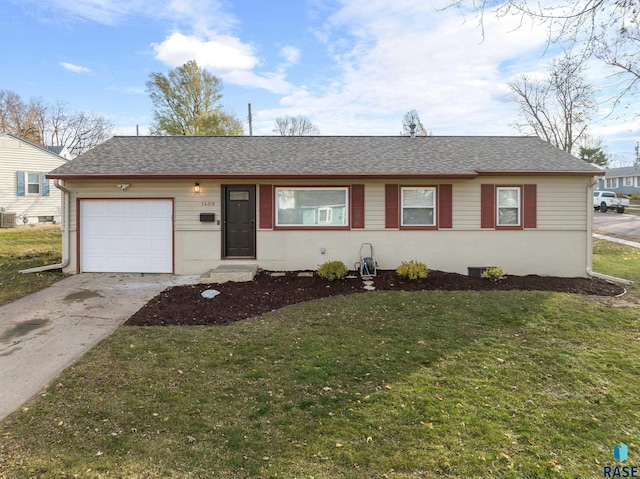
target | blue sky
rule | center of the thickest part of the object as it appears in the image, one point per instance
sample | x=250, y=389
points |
x=354, y=67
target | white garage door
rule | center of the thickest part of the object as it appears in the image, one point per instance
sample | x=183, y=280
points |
x=126, y=236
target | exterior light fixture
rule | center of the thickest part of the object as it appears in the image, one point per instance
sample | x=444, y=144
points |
x=196, y=188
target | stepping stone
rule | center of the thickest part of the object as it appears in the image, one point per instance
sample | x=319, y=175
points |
x=369, y=288
x=368, y=283
x=305, y=274
x=277, y=274
x=351, y=276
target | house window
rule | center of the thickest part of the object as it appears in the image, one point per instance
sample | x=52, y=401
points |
x=627, y=181
x=418, y=206
x=508, y=206
x=611, y=182
x=33, y=183
x=312, y=207
x=637, y=180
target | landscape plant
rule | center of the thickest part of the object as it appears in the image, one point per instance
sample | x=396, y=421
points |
x=333, y=270
x=412, y=270
x=494, y=273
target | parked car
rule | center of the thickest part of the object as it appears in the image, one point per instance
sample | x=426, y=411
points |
x=603, y=200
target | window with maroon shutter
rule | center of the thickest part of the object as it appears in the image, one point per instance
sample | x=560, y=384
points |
x=391, y=206
x=487, y=206
x=445, y=206
x=530, y=206
x=357, y=206
x=266, y=207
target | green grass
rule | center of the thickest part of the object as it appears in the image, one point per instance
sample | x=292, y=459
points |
x=382, y=384
x=23, y=248
x=617, y=260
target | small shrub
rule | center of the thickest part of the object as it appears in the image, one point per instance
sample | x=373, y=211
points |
x=494, y=274
x=413, y=270
x=332, y=270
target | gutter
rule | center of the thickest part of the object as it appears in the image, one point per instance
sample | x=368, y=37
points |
x=590, y=272
x=65, y=234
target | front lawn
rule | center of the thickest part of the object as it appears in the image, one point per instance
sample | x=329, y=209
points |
x=617, y=260
x=382, y=384
x=23, y=248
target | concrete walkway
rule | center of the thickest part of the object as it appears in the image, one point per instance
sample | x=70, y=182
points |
x=633, y=244
x=44, y=333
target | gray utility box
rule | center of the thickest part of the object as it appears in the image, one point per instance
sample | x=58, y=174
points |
x=476, y=271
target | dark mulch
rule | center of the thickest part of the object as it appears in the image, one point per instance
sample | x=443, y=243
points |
x=184, y=305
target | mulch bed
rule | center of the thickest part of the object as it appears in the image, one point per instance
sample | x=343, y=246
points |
x=184, y=305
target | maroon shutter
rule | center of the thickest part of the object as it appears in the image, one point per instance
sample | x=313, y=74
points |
x=529, y=206
x=487, y=206
x=357, y=206
x=445, y=209
x=391, y=193
x=266, y=207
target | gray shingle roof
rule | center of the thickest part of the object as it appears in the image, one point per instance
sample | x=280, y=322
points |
x=623, y=171
x=323, y=156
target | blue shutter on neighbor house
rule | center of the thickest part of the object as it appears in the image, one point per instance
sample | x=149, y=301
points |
x=20, y=180
x=45, y=184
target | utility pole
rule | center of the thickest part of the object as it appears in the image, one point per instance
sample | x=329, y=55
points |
x=250, y=122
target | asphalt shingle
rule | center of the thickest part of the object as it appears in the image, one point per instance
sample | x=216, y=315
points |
x=320, y=156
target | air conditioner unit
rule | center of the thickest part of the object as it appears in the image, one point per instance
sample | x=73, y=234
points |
x=7, y=220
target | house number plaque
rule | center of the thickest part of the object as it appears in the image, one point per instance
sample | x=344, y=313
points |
x=208, y=203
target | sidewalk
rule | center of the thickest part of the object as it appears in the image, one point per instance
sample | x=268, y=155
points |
x=633, y=244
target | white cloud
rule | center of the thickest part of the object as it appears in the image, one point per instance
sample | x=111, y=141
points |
x=198, y=14
x=224, y=56
x=291, y=54
x=218, y=54
x=74, y=68
x=395, y=57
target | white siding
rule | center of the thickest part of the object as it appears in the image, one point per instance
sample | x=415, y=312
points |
x=17, y=155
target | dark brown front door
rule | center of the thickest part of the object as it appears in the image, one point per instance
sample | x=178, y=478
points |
x=239, y=231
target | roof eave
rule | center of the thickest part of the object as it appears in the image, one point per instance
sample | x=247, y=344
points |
x=271, y=176
x=539, y=173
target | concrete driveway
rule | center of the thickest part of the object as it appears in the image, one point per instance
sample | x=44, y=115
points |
x=45, y=332
x=624, y=225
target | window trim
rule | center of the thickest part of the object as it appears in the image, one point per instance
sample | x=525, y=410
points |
x=401, y=207
x=322, y=227
x=27, y=183
x=611, y=182
x=517, y=226
x=628, y=179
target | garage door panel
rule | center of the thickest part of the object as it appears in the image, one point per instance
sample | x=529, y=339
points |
x=126, y=236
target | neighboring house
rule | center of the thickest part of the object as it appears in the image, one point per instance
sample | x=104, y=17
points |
x=625, y=180
x=188, y=204
x=62, y=151
x=24, y=189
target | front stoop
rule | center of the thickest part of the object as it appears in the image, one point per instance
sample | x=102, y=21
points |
x=230, y=272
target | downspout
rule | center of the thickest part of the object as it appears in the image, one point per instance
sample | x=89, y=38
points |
x=590, y=272
x=66, y=194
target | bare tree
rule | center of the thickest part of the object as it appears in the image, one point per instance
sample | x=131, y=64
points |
x=20, y=118
x=52, y=125
x=557, y=108
x=412, y=118
x=295, y=126
x=607, y=29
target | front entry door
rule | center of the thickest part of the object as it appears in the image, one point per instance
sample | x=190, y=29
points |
x=239, y=232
